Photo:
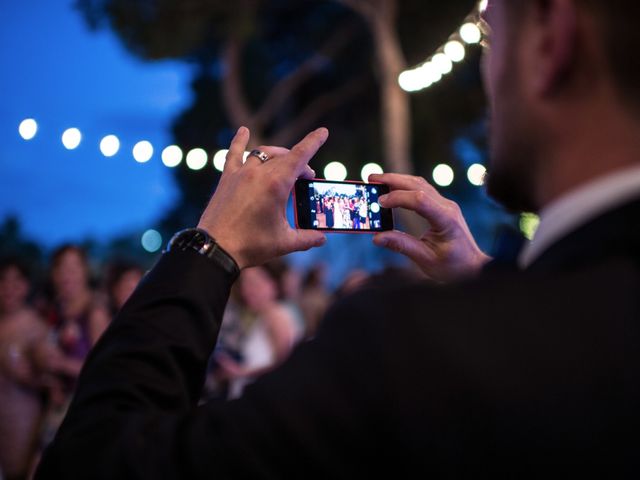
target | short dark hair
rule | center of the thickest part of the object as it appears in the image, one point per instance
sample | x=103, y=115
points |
x=18, y=263
x=618, y=20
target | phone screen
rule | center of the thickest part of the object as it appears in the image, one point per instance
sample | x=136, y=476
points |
x=341, y=206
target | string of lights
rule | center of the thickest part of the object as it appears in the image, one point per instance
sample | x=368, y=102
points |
x=434, y=68
x=441, y=63
x=198, y=158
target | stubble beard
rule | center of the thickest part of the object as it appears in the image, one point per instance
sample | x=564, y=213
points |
x=513, y=151
x=510, y=176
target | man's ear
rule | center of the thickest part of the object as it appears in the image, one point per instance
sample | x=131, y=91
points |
x=554, y=37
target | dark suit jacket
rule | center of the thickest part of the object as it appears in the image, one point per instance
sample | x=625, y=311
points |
x=531, y=374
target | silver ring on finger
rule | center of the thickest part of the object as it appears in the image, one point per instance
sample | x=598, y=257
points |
x=259, y=154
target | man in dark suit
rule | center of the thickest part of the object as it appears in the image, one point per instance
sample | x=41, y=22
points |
x=529, y=372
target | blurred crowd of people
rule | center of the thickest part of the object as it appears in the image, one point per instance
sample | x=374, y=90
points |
x=48, y=326
x=45, y=335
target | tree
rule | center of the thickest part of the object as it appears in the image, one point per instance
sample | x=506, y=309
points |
x=13, y=242
x=282, y=67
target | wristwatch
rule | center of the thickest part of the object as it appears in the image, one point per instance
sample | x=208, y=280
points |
x=200, y=241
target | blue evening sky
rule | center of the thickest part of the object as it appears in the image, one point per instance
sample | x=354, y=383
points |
x=57, y=71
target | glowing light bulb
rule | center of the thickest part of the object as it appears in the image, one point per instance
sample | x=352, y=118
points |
x=151, y=241
x=28, y=128
x=109, y=145
x=172, y=156
x=219, y=159
x=455, y=51
x=409, y=81
x=470, y=33
x=197, y=159
x=443, y=175
x=71, y=138
x=442, y=63
x=430, y=73
x=335, y=171
x=142, y=151
x=476, y=173
x=369, y=169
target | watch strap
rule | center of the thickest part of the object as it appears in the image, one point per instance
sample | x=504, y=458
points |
x=199, y=240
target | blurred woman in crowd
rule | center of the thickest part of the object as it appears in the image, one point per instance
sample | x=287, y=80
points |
x=77, y=317
x=314, y=298
x=23, y=348
x=270, y=331
x=121, y=280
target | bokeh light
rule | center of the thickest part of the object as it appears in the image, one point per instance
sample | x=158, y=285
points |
x=219, y=159
x=476, y=173
x=28, y=128
x=369, y=169
x=151, y=241
x=172, y=156
x=142, y=151
x=529, y=223
x=425, y=75
x=71, y=138
x=197, y=159
x=442, y=63
x=109, y=145
x=430, y=73
x=454, y=50
x=335, y=171
x=443, y=175
x=470, y=33
x=410, y=81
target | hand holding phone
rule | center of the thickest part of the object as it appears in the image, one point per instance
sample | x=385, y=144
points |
x=242, y=192
x=341, y=207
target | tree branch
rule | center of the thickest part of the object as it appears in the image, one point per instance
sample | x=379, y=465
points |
x=285, y=87
x=362, y=7
x=232, y=96
x=309, y=117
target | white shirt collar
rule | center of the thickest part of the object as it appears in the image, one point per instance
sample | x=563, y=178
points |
x=577, y=207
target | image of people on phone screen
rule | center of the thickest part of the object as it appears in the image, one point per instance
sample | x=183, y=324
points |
x=344, y=206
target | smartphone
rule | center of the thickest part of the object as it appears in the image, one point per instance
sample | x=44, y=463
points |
x=347, y=207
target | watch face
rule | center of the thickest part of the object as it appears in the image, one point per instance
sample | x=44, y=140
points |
x=198, y=239
x=192, y=238
x=204, y=244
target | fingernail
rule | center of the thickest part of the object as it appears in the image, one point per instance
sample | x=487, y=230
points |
x=323, y=131
x=382, y=199
x=241, y=129
x=383, y=242
x=321, y=241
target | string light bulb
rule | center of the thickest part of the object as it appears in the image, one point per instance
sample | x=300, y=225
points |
x=441, y=63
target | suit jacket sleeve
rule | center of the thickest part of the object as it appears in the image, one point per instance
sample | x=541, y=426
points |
x=135, y=412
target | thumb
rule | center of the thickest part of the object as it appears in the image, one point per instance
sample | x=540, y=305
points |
x=407, y=245
x=301, y=240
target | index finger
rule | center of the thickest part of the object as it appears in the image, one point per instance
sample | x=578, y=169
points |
x=236, y=149
x=302, y=152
